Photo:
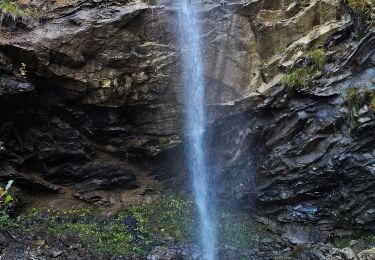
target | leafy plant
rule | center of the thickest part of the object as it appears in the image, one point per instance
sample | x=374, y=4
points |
x=5, y=197
x=5, y=201
x=298, y=78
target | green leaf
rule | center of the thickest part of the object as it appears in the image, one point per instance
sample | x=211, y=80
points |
x=8, y=199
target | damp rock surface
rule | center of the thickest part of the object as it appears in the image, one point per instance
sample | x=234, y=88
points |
x=91, y=108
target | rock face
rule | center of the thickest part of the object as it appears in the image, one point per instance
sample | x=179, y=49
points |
x=101, y=107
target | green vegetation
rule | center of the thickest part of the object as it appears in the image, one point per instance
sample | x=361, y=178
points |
x=13, y=10
x=240, y=230
x=104, y=235
x=168, y=216
x=304, y=3
x=281, y=49
x=317, y=57
x=163, y=140
x=5, y=201
x=301, y=77
x=136, y=230
x=357, y=98
x=365, y=8
x=297, y=78
x=151, y=2
x=343, y=242
x=372, y=104
x=358, y=5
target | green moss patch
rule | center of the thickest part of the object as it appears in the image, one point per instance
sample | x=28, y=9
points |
x=13, y=10
x=136, y=230
x=366, y=238
x=240, y=230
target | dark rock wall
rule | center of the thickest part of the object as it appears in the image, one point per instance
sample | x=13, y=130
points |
x=100, y=107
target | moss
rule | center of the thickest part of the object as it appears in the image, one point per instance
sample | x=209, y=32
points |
x=297, y=78
x=13, y=10
x=317, y=57
x=240, y=230
x=163, y=140
x=112, y=237
x=104, y=235
x=151, y=2
x=281, y=49
x=343, y=242
x=304, y=3
x=168, y=216
x=176, y=217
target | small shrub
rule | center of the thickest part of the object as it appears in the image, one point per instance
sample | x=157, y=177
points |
x=317, y=57
x=297, y=78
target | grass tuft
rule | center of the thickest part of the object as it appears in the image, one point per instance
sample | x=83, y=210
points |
x=297, y=78
x=317, y=57
x=358, y=5
x=13, y=10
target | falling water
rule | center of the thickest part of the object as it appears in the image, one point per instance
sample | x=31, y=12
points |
x=194, y=90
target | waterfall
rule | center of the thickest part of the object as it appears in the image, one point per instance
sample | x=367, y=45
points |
x=195, y=119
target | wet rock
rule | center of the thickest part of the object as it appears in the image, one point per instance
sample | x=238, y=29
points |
x=189, y=252
x=56, y=253
x=162, y=253
x=348, y=253
x=101, y=107
x=368, y=254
